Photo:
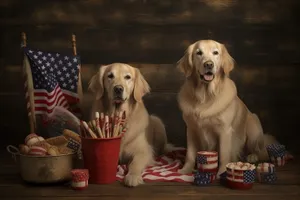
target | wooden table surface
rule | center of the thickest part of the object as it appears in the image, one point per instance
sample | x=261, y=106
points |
x=287, y=187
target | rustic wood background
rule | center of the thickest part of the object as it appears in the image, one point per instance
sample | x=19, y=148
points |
x=262, y=36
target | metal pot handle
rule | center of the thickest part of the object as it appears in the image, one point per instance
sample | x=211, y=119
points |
x=14, y=151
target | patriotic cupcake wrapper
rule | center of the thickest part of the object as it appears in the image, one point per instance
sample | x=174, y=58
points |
x=265, y=168
x=206, y=157
x=201, y=182
x=204, y=178
x=207, y=161
x=80, y=178
x=276, y=150
x=268, y=178
x=278, y=161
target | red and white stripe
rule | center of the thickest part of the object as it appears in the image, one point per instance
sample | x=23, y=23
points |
x=265, y=168
x=165, y=169
x=235, y=175
x=44, y=102
x=37, y=151
x=212, y=161
x=279, y=161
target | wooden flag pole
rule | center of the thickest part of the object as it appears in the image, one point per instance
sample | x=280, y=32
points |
x=31, y=116
x=74, y=44
x=79, y=87
x=24, y=39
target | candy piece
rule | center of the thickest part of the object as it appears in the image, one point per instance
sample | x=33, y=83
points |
x=43, y=143
x=57, y=141
x=40, y=138
x=64, y=150
x=70, y=134
x=245, y=167
x=53, y=151
x=24, y=149
x=37, y=151
x=31, y=139
x=240, y=166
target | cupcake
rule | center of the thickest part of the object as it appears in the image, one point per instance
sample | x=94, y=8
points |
x=207, y=161
x=240, y=175
x=277, y=154
x=204, y=178
x=80, y=179
x=266, y=173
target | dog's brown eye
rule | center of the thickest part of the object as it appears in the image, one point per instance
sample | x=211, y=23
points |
x=215, y=53
x=127, y=77
x=199, y=52
x=110, y=76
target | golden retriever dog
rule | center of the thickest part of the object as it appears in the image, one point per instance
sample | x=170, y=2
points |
x=215, y=116
x=120, y=87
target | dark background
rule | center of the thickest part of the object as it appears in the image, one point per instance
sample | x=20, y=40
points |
x=262, y=36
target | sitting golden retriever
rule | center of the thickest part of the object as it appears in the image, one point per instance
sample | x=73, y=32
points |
x=119, y=87
x=215, y=116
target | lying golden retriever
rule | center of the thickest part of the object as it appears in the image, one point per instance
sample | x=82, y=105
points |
x=119, y=87
x=215, y=116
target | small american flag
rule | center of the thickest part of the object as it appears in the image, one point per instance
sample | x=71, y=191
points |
x=202, y=159
x=165, y=169
x=51, y=80
x=207, y=162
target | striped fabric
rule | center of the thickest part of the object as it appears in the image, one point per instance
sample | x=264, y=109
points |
x=165, y=169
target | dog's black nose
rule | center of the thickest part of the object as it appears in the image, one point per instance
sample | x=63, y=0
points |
x=209, y=65
x=118, y=89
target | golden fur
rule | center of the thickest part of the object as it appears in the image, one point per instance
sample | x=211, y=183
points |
x=215, y=116
x=146, y=135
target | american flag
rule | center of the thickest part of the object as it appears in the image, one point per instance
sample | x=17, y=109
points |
x=246, y=176
x=203, y=178
x=279, y=161
x=51, y=79
x=269, y=177
x=165, y=169
x=207, y=162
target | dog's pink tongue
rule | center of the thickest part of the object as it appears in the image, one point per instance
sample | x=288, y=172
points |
x=118, y=101
x=208, y=77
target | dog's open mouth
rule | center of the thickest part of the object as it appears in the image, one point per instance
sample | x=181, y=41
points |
x=208, y=76
x=119, y=100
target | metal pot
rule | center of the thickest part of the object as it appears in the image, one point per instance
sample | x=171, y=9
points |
x=44, y=169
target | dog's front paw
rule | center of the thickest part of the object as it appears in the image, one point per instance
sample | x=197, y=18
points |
x=185, y=170
x=220, y=171
x=132, y=180
x=252, y=158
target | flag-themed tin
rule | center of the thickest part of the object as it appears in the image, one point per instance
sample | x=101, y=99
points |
x=240, y=175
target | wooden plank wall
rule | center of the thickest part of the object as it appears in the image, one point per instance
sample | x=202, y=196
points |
x=262, y=36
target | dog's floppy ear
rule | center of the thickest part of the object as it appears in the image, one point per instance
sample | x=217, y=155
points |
x=185, y=64
x=96, y=84
x=227, y=61
x=141, y=87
